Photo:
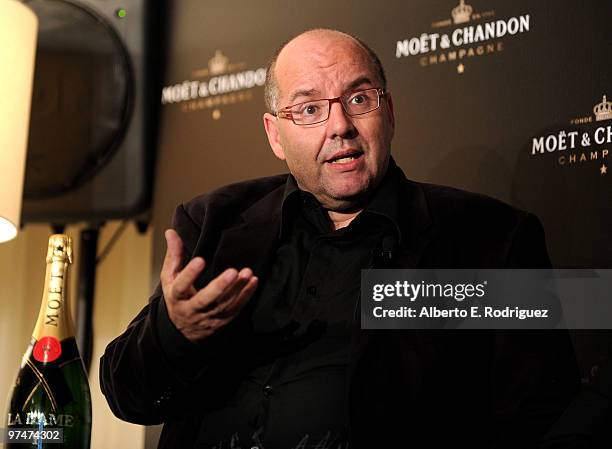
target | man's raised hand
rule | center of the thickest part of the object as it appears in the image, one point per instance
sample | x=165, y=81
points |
x=199, y=313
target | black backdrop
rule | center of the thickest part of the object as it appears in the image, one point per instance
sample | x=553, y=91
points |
x=472, y=130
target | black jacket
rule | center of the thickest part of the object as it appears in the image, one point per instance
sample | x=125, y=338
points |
x=417, y=389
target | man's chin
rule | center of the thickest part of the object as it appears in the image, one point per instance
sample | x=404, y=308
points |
x=347, y=200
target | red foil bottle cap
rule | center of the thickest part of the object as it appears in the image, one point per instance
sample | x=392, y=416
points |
x=47, y=349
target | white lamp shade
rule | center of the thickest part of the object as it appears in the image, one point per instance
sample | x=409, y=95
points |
x=18, y=31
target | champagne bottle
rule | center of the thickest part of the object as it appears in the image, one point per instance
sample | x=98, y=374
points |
x=51, y=390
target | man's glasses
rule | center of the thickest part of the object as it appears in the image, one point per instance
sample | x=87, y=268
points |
x=317, y=111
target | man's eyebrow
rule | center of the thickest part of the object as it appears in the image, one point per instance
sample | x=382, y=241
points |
x=359, y=82
x=316, y=93
x=302, y=93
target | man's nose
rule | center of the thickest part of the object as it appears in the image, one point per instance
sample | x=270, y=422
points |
x=339, y=124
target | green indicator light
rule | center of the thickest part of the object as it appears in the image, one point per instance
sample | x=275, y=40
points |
x=121, y=13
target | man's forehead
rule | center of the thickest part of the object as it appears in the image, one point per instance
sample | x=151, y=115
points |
x=324, y=46
x=313, y=58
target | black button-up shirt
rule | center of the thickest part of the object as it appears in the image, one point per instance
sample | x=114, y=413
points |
x=305, y=314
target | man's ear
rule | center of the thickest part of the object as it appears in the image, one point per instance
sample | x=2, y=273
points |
x=271, y=127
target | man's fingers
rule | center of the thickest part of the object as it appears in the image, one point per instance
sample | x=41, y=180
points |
x=219, y=304
x=172, y=260
x=242, y=297
x=214, y=305
x=225, y=303
x=222, y=289
x=182, y=286
x=216, y=288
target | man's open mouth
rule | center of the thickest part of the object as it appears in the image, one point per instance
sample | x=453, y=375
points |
x=345, y=157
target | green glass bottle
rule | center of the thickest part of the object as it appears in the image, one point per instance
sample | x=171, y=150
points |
x=51, y=389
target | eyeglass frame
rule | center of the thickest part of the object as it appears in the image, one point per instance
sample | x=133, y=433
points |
x=286, y=113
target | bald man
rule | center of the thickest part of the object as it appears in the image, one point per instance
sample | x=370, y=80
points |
x=252, y=338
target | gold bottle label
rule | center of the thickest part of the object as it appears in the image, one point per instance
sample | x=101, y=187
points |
x=54, y=320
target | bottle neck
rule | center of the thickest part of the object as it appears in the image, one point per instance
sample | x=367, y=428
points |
x=54, y=318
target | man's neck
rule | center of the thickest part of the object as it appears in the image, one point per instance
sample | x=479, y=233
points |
x=341, y=219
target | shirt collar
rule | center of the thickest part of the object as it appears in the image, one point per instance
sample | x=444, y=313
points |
x=292, y=197
x=384, y=202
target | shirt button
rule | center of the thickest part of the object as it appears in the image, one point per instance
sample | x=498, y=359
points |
x=311, y=290
x=267, y=391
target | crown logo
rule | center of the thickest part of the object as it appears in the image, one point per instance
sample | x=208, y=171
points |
x=218, y=63
x=462, y=13
x=603, y=110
